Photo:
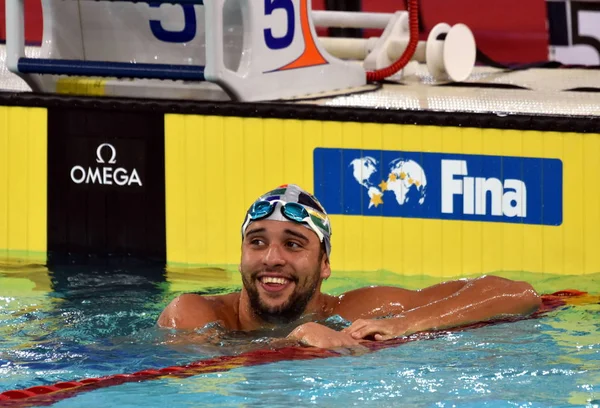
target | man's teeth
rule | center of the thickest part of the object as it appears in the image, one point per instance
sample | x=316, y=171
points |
x=271, y=279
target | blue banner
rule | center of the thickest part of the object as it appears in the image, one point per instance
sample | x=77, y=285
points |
x=439, y=186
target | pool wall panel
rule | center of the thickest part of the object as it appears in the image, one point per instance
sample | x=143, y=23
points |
x=253, y=155
x=106, y=194
x=23, y=211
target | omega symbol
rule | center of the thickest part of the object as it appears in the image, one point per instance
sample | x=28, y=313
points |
x=113, y=157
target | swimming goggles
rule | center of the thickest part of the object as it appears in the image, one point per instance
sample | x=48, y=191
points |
x=292, y=211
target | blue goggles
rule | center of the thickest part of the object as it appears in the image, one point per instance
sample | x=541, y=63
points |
x=292, y=211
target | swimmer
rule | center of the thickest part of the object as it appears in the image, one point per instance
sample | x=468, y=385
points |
x=286, y=249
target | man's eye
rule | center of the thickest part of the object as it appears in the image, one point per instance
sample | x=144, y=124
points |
x=294, y=245
x=257, y=242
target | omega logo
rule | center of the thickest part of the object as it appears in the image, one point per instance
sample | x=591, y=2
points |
x=107, y=174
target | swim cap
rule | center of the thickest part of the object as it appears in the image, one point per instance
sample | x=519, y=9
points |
x=291, y=203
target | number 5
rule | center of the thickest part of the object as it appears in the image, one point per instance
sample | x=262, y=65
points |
x=590, y=40
x=189, y=29
x=278, y=43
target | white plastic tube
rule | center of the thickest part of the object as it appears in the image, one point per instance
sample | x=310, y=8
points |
x=346, y=48
x=359, y=48
x=344, y=19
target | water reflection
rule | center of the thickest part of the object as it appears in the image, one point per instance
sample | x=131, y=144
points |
x=576, y=332
x=97, y=317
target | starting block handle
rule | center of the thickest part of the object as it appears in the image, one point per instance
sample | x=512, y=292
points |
x=15, y=41
x=15, y=33
x=111, y=69
x=215, y=59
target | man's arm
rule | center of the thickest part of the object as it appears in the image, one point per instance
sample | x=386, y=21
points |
x=188, y=311
x=452, y=304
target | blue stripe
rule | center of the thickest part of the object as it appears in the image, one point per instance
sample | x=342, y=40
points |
x=111, y=69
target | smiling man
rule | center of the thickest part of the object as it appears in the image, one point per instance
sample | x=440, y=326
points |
x=285, y=258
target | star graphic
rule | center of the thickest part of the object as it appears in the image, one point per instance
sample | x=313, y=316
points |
x=392, y=177
x=376, y=200
x=383, y=186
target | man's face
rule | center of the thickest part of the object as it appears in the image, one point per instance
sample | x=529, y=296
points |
x=282, y=267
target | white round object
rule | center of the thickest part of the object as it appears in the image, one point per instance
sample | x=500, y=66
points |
x=434, y=52
x=459, y=53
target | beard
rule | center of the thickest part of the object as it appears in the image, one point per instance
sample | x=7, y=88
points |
x=291, y=310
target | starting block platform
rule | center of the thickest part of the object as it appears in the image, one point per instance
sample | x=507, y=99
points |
x=250, y=52
x=228, y=51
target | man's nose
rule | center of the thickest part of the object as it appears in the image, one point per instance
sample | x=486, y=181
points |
x=274, y=255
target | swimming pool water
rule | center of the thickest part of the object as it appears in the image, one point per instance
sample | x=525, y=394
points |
x=79, y=321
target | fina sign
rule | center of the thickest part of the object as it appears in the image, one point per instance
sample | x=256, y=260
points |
x=462, y=187
x=106, y=173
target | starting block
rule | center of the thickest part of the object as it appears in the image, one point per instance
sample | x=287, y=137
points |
x=251, y=49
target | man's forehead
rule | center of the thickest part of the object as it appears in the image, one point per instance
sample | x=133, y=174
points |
x=282, y=228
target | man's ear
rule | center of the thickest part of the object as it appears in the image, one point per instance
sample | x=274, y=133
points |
x=325, y=267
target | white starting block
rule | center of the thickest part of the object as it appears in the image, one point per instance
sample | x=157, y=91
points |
x=252, y=49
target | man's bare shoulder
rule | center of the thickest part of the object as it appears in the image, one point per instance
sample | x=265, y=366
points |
x=191, y=311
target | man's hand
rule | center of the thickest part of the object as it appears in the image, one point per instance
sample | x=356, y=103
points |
x=317, y=335
x=380, y=329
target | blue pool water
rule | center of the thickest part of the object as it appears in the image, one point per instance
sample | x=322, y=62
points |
x=73, y=322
